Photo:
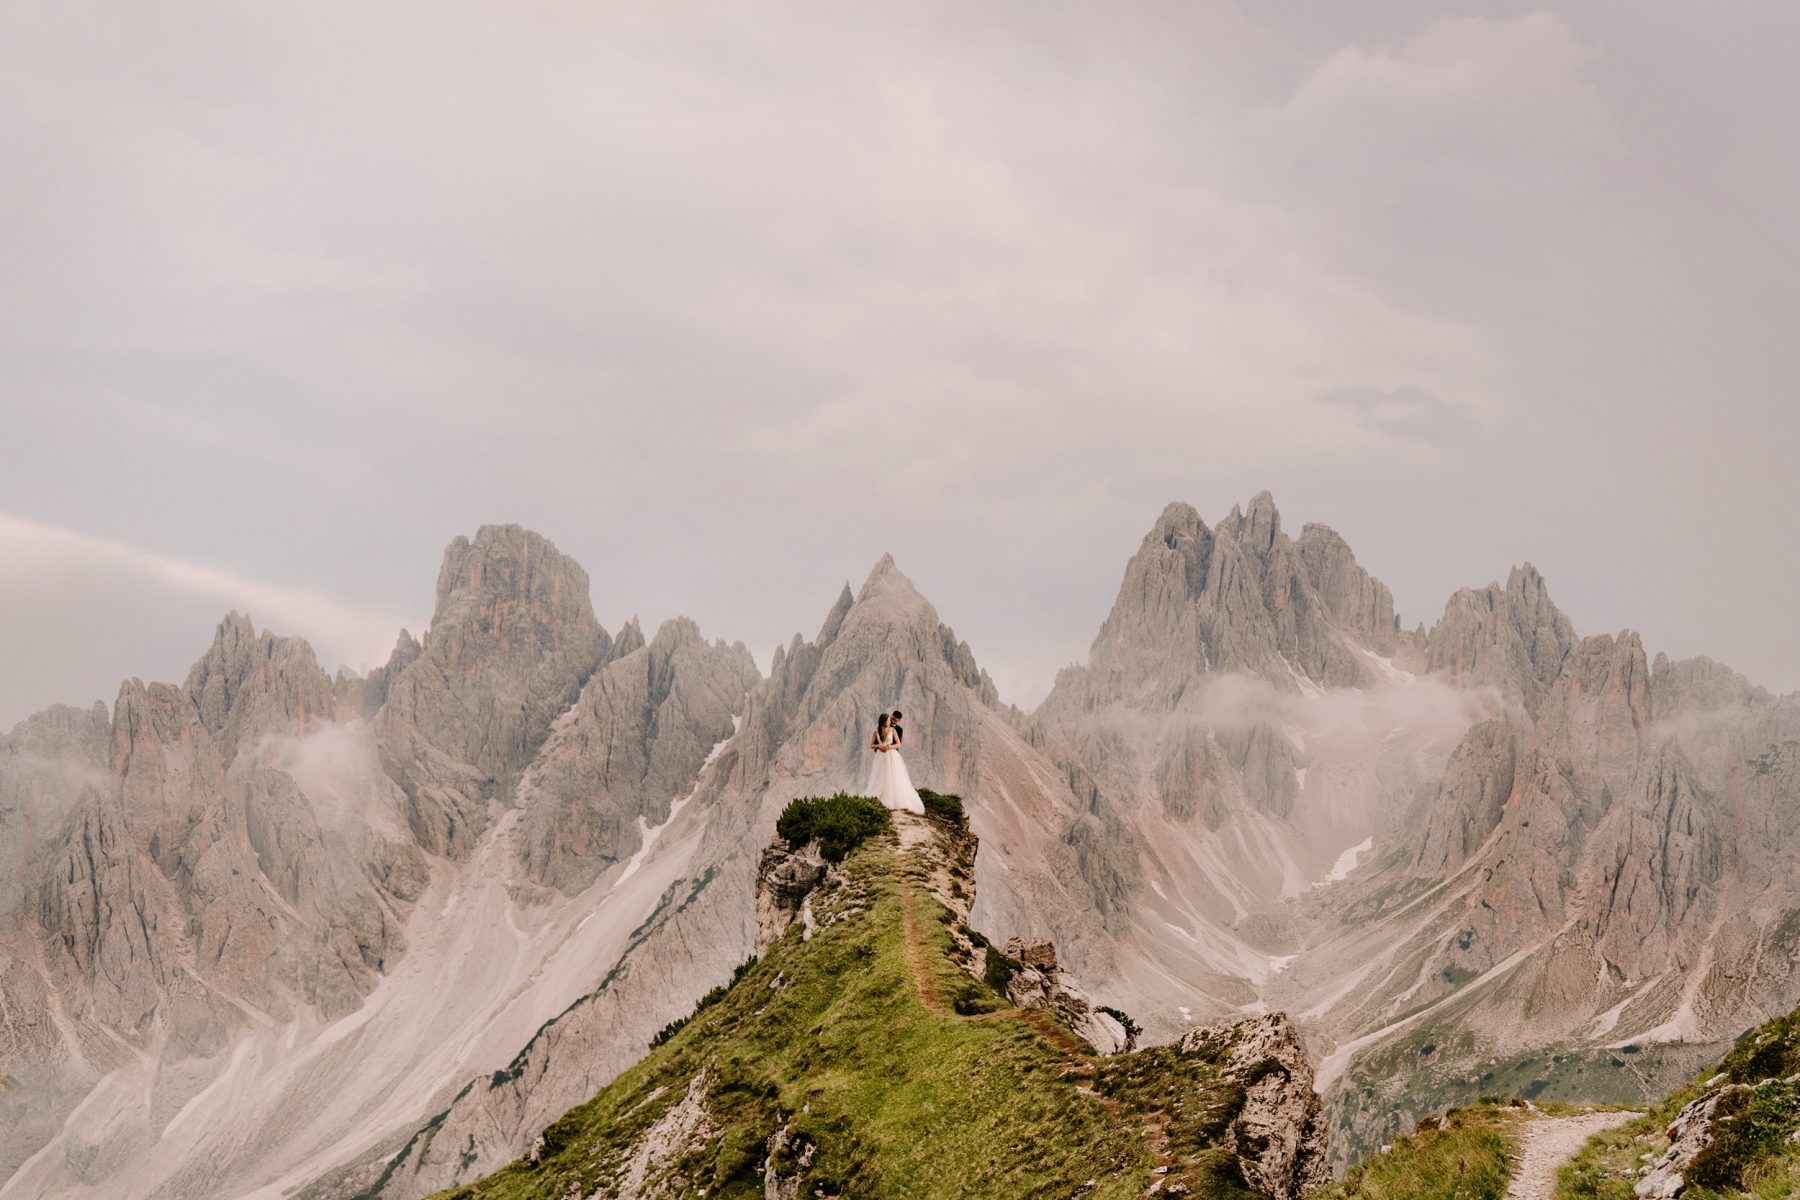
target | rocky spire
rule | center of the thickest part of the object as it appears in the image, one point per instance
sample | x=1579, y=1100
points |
x=247, y=685
x=1512, y=638
x=1351, y=595
x=510, y=645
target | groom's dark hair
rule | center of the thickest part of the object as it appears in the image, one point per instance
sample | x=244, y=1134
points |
x=896, y=714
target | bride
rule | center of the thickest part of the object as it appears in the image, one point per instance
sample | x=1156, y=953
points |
x=888, y=780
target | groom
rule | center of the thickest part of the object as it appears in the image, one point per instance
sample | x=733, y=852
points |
x=894, y=724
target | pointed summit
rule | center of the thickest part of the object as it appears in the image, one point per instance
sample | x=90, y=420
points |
x=885, y=575
x=1514, y=638
x=246, y=684
x=888, y=592
x=1262, y=525
x=834, y=620
x=513, y=640
x=631, y=637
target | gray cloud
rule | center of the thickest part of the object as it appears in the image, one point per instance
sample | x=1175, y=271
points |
x=728, y=304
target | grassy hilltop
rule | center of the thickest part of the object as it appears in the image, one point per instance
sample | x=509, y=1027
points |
x=866, y=1061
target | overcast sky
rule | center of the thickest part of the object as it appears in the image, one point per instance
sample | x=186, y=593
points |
x=729, y=300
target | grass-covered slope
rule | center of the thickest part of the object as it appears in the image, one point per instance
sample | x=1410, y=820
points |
x=840, y=1064
x=1752, y=1149
x=1464, y=1155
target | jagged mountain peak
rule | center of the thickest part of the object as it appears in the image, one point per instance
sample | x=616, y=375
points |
x=248, y=684
x=886, y=579
x=1512, y=638
x=513, y=640
x=1177, y=515
x=1261, y=525
x=834, y=620
x=1238, y=597
x=631, y=637
x=505, y=564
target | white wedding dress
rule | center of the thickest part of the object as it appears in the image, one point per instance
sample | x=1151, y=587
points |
x=889, y=782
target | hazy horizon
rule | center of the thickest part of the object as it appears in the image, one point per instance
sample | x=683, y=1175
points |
x=728, y=304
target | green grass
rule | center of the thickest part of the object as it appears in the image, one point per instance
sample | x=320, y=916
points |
x=1436, y=1067
x=838, y=823
x=829, y=1038
x=1462, y=1155
x=1750, y=1156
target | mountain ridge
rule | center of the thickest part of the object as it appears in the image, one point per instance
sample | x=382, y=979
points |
x=1258, y=787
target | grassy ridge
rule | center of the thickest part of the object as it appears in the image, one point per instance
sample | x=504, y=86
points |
x=1463, y=1155
x=879, y=1095
x=1752, y=1154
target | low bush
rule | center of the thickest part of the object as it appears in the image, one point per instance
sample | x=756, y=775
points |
x=1132, y=1028
x=946, y=810
x=999, y=970
x=838, y=823
x=1749, y=1127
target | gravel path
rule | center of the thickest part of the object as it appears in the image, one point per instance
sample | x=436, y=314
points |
x=1548, y=1143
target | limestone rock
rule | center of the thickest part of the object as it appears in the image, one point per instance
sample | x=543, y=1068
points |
x=1280, y=1133
x=249, y=685
x=1040, y=983
x=1513, y=638
x=511, y=643
x=1689, y=1133
x=785, y=877
x=630, y=748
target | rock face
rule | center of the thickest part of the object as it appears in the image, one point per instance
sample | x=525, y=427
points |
x=1689, y=1133
x=205, y=886
x=785, y=877
x=1513, y=638
x=511, y=643
x=1279, y=1134
x=630, y=747
x=1040, y=983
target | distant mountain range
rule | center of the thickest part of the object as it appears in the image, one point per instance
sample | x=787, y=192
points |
x=273, y=932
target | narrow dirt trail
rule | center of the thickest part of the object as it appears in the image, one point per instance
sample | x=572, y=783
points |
x=918, y=955
x=1549, y=1142
x=1081, y=1064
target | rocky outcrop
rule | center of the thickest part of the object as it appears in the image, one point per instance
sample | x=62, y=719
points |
x=1038, y=982
x=1279, y=1133
x=1689, y=1133
x=785, y=877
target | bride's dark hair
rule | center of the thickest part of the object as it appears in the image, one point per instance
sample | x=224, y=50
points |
x=882, y=722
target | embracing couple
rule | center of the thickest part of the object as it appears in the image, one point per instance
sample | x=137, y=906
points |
x=888, y=780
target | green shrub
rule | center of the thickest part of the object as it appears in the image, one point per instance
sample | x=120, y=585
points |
x=999, y=970
x=945, y=810
x=1131, y=1027
x=1748, y=1127
x=838, y=823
